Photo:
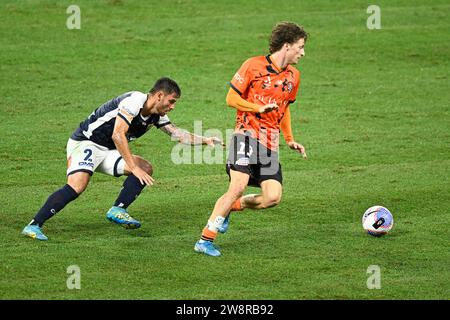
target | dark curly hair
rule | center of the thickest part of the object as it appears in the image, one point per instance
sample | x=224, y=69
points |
x=285, y=32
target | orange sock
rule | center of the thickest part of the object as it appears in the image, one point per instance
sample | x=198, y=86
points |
x=237, y=205
x=208, y=235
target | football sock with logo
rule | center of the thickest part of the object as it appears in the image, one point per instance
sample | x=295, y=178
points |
x=209, y=232
x=55, y=203
x=132, y=187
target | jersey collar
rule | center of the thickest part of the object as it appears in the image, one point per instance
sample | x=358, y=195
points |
x=273, y=67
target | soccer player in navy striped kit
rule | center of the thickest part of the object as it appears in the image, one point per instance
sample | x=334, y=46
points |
x=101, y=144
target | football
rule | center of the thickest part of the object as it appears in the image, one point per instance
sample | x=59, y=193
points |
x=377, y=221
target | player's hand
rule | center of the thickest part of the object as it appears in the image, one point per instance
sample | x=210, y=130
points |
x=212, y=141
x=298, y=147
x=143, y=176
x=268, y=108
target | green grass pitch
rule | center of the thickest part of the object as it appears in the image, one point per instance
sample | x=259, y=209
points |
x=372, y=111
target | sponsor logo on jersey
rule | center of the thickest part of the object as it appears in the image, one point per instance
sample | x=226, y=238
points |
x=269, y=99
x=238, y=78
x=288, y=85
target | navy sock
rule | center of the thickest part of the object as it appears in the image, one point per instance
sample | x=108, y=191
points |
x=132, y=187
x=55, y=203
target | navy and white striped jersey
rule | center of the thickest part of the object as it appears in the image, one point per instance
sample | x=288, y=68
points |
x=99, y=126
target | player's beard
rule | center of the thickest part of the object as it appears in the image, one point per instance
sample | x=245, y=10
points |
x=162, y=109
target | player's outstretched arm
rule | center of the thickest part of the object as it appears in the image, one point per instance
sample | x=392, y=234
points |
x=236, y=101
x=186, y=137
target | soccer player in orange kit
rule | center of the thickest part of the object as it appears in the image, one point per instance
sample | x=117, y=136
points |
x=261, y=91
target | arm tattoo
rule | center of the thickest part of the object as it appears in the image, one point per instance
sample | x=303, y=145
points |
x=181, y=135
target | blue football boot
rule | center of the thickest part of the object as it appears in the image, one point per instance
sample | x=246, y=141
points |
x=225, y=224
x=206, y=247
x=34, y=232
x=120, y=216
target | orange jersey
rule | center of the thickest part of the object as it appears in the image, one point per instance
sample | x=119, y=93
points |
x=260, y=81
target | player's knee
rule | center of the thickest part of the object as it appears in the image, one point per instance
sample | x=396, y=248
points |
x=271, y=201
x=78, y=181
x=147, y=167
x=144, y=165
x=78, y=187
